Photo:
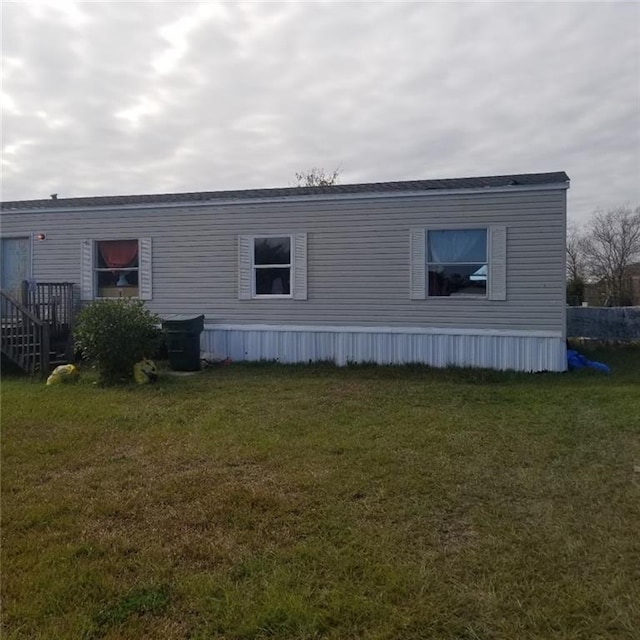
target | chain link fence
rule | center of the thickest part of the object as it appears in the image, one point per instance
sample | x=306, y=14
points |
x=604, y=323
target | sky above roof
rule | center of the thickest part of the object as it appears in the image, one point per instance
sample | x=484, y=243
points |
x=144, y=97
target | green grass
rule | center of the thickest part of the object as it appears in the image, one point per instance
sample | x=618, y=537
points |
x=262, y=501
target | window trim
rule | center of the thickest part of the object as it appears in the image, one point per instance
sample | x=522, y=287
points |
x=253, y=266
x=470, y=296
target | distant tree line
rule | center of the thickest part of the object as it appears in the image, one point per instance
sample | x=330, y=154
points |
x=601, y=254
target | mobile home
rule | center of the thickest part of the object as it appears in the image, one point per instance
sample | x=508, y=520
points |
x=465, y=272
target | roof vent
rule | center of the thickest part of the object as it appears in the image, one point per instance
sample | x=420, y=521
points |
x=54, y=196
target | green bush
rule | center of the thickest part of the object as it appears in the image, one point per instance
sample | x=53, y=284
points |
x=115, y=334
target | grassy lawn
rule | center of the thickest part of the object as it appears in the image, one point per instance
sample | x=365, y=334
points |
x=261, y=501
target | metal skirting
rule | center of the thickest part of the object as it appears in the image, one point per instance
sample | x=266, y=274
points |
x=495, y=350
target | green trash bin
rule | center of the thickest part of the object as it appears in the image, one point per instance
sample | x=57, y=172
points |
x=183, y=341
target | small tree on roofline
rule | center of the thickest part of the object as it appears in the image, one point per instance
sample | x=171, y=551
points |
x=316, y=177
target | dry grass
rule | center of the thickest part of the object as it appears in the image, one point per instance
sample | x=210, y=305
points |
x=312, y=502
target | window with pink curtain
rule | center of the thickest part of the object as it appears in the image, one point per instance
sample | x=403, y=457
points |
x=116, y=270
x=118, y=254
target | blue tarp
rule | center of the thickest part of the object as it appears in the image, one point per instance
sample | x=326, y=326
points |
x=576, y=361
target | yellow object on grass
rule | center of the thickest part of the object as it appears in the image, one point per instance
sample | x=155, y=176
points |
x=145, y=371
x=63, y=374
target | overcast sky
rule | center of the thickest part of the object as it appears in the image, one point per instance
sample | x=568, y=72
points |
x=144, y=97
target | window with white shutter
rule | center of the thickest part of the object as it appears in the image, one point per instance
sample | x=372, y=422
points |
x=458, y=262
x=272, y=266
x=116, y=268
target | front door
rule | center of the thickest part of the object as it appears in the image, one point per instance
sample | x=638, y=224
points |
x=15, y=260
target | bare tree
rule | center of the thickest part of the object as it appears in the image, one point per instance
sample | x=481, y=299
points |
x=316, y=177
x=576, y=265
x=610, y=245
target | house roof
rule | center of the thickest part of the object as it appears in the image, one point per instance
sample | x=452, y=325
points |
x=527, y=179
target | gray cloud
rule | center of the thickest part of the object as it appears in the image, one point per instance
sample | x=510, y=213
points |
x=107, y=98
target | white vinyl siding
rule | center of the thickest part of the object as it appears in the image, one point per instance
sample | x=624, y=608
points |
x=358, y=267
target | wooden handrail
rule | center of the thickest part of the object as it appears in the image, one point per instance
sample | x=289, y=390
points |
x=25, y=338
x=14, y=302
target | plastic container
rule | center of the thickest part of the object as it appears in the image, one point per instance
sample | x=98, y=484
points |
x=183, y=341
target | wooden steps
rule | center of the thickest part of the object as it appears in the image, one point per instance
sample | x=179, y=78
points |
x=36, y=332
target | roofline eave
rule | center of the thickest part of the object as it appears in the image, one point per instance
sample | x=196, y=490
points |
x=555, y=186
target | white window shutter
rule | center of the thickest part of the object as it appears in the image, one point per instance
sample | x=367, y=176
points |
x=300, y=266
x=86, y=270
x=145, y=268
x=245, y=246
x=417, y=252
x=498, y=263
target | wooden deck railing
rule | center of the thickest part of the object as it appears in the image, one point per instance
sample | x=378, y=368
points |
x=25, y=338
x=50, y=301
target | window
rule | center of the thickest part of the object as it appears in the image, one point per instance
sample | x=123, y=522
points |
x=272, y=266
x=116, y=268
x=457, y=262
